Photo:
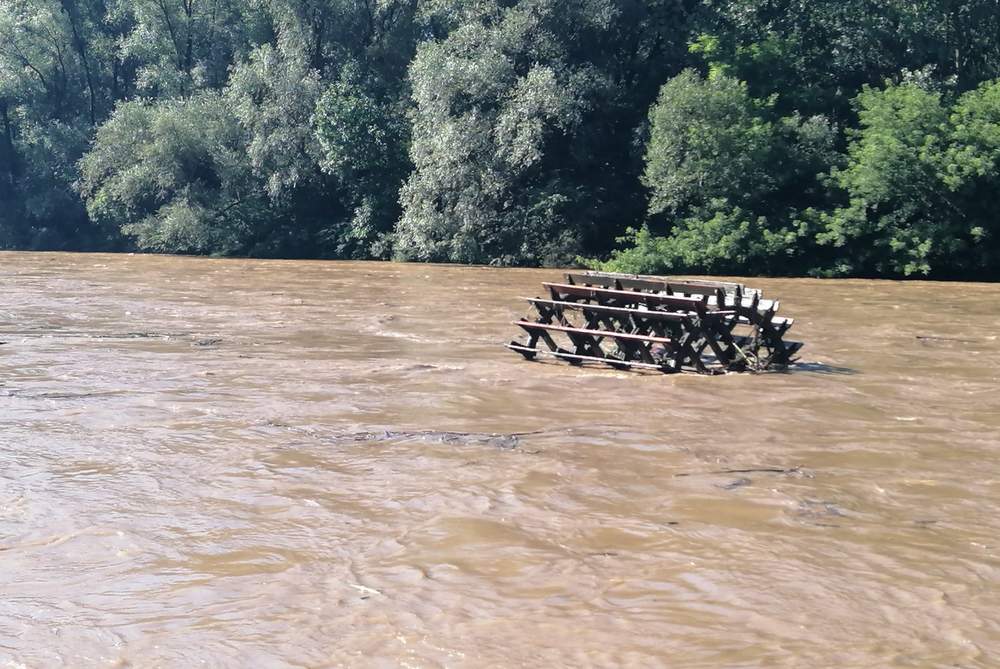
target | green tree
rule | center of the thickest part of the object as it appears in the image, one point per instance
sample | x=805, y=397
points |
x=173, y=175
x=817, y=54
x=920, y=184
x=177, y=47
x=363, y=139
x=971, y=172
x=231, y=172
x=487, y=100
x=56, y=83
x=709, y=139
x=508, y=131
x=524, y=128
x=898, y=220
x=728, y=179
x=244, y=159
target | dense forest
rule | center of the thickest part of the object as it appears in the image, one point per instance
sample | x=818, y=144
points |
x=783, y=137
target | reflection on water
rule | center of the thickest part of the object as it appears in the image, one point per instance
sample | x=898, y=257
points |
x=259, y=463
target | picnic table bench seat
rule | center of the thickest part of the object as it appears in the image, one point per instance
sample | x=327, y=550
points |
x=717, y=293
x=613, y=297
x=664, y=353
x=644, y=282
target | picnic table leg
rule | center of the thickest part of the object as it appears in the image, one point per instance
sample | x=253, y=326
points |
x=683, y=351
x=528, y=350
x=636, y=351
x=771, y=340
x=719, y=337
x=586, y=345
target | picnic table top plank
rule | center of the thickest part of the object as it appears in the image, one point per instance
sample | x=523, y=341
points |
x=633, y=296
x=623, y=311
x=604, y=309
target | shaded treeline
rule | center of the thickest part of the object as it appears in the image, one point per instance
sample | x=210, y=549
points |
x=731, y=136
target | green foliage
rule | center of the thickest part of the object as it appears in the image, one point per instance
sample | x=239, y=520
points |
x=817, y=55
x=709, y=139
x=727, y=177
x=177, y=47
x=724, y=241
x=523, y=129
x=897, y=211
x=274, y=95
x=971, y=171
x=362, y=139
x=920, y=182
x=488, y=99
x=831, y=138
x=54, y=85
x=173, y=176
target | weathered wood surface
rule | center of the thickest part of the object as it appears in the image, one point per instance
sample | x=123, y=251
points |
x=666, y=324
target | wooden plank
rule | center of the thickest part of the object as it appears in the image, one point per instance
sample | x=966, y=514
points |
x=584, y=340
x=694, y=288
x=612, y=362
x=720, y=293
x=622, y=311
x=672, y=316
x=528, y=326
x=581, y=279
x=635, y=283
x=529, y=352
x=628, y=283
x=627, y=319
x=762, y=304
x=715, y=292
x=677, y=303
x=730, y=287
x=646, y=321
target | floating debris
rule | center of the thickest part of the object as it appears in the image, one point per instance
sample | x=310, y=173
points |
x=503, y=441
x=736, y=483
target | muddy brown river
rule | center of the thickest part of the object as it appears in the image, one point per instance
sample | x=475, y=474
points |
x=231, y=463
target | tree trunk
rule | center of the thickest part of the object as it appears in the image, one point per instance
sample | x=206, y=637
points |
x=8, y=159
x=69, y=6
x=189, y=47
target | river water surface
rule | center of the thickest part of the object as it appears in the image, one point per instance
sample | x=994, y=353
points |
x=233, y=463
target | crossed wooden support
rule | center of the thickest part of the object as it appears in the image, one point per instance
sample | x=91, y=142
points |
x=649, y=323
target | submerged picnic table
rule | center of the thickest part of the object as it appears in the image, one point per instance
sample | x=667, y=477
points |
x=669, y=325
